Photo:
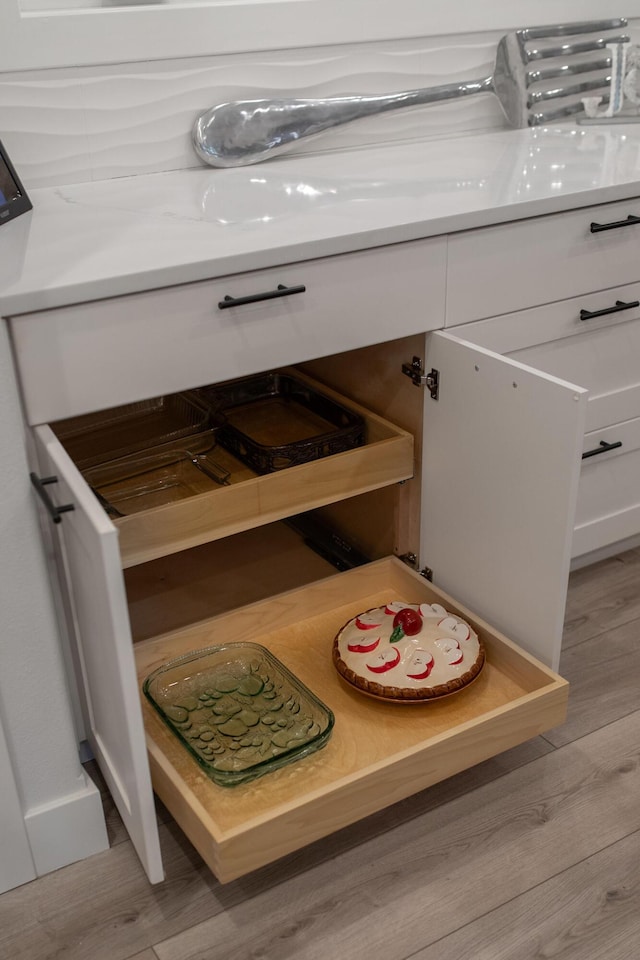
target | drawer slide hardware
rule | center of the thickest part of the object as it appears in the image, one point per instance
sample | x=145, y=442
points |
x=280, y=291
x=327, y=542
x=603, y=447
x=54, y=511
x=620, y=305
x=416, y=374
x=629, y=222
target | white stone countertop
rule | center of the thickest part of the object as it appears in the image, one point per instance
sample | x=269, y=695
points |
x=102, y=239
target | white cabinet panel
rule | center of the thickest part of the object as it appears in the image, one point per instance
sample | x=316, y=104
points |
x=501, y=466
x=541, y=260
x=598, y=352
x=89, y=545
x=609, y=495
x=110, y=352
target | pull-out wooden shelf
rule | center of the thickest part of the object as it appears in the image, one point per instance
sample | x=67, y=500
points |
x=250, y=500
x=378, y=754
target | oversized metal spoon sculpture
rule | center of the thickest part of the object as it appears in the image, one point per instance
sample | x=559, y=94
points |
x=247, y=131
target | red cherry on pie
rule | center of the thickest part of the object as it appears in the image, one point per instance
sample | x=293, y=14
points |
x=410, y=621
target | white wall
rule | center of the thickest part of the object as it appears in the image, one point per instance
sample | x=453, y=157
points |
x=64, y=35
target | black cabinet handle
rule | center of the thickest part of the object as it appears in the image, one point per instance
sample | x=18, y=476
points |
x=53, y=511
x=620, y=305
x=280, y=291
x=629, y=222
x=603, y=447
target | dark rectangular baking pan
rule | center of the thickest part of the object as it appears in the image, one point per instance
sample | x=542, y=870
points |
x=274, y=420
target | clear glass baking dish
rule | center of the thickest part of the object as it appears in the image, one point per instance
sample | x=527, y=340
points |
x=163, y=474
x=96, y=438
x=238, y=711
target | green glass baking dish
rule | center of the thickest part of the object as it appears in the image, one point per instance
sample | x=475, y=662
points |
x=238, y=711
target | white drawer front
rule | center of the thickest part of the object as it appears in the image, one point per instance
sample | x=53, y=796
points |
x=599, y=353
x=97, y=355
x=608, y=507
x=516, y=265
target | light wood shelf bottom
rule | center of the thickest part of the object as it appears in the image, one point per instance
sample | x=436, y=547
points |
x=378, y=754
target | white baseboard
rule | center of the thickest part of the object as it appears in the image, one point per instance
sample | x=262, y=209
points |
x=67, y=830
x=603, y=553
x=16, y=862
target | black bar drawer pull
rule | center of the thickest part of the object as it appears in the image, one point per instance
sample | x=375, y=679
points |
x=603, y=447
x=54, y=512
x=598, y=227
x=280, y=291
x=620, y=305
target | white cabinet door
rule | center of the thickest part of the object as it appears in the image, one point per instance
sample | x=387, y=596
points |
x=501, y=463
x=88, y=545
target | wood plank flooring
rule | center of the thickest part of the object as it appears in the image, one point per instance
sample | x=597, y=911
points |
x=534, y=854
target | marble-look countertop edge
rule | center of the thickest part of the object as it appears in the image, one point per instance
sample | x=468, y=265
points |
x=48, y=298
x=199, y=249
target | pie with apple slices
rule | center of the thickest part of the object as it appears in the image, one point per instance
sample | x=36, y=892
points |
x=408, y=652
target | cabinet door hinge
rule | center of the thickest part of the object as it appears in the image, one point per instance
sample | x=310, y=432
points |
x=411, y=560
x=416, y=374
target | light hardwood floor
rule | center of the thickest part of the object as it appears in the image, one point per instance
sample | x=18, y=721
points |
x=534, y=854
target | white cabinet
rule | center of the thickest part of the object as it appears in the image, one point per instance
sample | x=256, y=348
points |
x=592, y=340
x=480, y=441
x=93, y=356
x=479, y=478
x=499, y=270
x=608, y=508
x=104, y=650
x=484, y=483
x=578, y=274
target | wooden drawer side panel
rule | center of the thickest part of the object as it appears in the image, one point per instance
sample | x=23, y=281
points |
x=386, y=457
x=230, y=510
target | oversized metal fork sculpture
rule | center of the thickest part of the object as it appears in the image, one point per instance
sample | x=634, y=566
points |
x=247, y=131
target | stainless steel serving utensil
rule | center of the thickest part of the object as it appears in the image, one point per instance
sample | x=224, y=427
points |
x=241, y=132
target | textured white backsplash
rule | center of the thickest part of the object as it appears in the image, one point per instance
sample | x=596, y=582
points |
x=95, y=123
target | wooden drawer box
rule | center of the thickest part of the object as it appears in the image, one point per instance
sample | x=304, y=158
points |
x=499, y=554
x=608, y=506
x=250, y=500
x=378, y=752
x=598, y=352
x=497, y=270
x=97, y=355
